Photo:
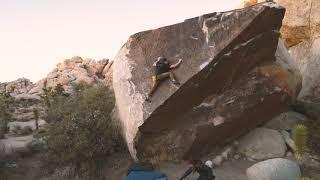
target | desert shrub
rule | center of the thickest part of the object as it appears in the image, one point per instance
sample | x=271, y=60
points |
x=36, y=145
x=83, y=132
x=6, y=108
x=25, y=131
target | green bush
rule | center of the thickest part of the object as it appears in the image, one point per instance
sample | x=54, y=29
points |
x=83, y=132
x=53, y=99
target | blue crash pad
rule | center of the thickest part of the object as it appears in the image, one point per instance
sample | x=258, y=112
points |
x=142, y=175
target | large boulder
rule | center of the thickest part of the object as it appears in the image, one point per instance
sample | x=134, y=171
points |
x=274, y=169
x=290, y=142
x=286, y=121
x=75, y=71
x=301, y=31
x=230, y=82
x=262, y=143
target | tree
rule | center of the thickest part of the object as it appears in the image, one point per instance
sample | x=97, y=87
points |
x=52, y=98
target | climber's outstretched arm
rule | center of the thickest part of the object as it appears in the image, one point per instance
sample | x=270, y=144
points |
x=176, y=64
x=155, y=63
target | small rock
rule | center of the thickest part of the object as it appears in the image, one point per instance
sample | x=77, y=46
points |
x=217, y=160
x=288, y=140
x=289, y=154
x=11, y=165
x=237, y=156
x=285, y=121
x=226, y=153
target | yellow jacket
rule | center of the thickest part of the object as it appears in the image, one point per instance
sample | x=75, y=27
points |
x=247, y=3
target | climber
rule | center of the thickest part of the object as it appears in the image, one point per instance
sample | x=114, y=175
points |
x=204, y=170
x=247, y=3
x=162, y=71
x=253, y=2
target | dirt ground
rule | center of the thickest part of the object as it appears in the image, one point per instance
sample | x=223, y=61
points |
x=229, y=170
x=22, y=168
x=29, y=168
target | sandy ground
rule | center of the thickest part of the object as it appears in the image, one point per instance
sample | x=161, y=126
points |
x=230, y=170
x=29, y=168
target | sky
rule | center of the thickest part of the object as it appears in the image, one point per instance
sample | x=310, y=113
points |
x=35, y=35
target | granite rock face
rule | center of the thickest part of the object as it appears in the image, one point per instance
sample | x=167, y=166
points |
x=230, y=82
x=302, y=21
x=301, y=32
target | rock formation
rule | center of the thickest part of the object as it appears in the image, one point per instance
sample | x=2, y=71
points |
x=301, y=31
x=230, y=82
x=75, y=71
x=68, y=73
x=19, y=88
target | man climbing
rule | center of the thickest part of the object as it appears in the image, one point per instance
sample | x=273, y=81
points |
x=247, y=3
x=162, y=71
x=204, y=170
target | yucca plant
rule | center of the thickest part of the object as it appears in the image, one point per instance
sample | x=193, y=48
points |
x=36, y=117
x=300, y=139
